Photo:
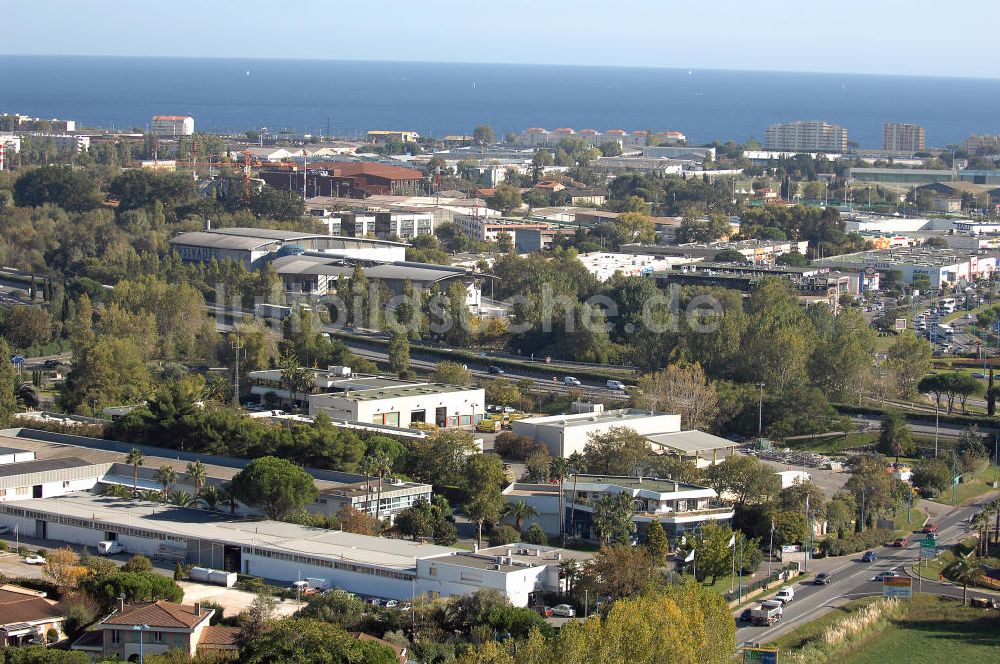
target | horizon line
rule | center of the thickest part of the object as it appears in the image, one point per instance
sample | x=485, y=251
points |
x=492, y=63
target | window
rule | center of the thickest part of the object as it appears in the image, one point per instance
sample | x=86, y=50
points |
x=116, y=636
x=157, y=637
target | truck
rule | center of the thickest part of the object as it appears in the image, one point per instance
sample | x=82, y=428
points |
x=768, y=613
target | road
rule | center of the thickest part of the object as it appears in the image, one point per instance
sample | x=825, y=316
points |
x=853, y=579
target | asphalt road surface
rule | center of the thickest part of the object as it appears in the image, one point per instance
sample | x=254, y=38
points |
x=853, y=579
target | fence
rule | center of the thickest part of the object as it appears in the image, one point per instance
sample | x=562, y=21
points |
x=760, y=585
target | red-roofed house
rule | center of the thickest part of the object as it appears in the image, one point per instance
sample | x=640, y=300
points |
x=351, y=179
x=164, y=626
x=26, y=616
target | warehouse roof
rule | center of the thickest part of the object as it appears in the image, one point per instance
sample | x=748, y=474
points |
x=195, y=524
x=690, y=441
x=303, y=264
x=221, y=241
x=42, y=466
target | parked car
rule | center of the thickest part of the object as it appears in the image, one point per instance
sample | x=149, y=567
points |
x=564, y=610
x=544, y=611
x=930, y=528
x=35, y=559
x=391, y=604
x=109, y=547
x=407, y=606
x=869, y=557
x=570, y=380
x=375, y=601
x=5, y=530
x=823, y=579
x=495, y=370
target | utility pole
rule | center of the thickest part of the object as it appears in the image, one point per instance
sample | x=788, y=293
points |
x=954, y=474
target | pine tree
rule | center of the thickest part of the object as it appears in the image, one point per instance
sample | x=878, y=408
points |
x=656, y=542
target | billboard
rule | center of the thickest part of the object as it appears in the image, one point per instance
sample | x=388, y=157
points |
x=897, y=586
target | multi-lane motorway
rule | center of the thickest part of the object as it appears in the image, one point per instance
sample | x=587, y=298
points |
x=853, y=579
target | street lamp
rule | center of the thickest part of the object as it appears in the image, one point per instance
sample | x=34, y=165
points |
x=760, y=410
x=140, y=629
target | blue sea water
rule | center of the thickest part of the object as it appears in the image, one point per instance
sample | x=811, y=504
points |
x=438, y=98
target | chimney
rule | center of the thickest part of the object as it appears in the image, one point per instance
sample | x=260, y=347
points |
x=197, y=608
x=121, y=604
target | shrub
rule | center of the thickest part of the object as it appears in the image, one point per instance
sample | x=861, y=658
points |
x=504, y=535
x=511, y=446
x=535, y=535
x=138, y=564
x=179, y=573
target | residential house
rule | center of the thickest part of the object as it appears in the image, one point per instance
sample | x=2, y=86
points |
x=27, y=617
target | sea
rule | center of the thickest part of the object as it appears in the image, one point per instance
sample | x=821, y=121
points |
x=347, y=98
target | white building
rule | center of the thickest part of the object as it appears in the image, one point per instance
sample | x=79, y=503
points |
x=565, y=434
x=487, y=229
x=399, y=403
x=943, y=267
x=285, y=552
x=605, y=265
x=806, y=136
x=385, y=224
x=172, y=125
x=678, y=506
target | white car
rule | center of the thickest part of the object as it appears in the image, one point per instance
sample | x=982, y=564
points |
x=5, y=530
x=391, y=604
x=35, y=559
x=564, y=610
x=570, y=380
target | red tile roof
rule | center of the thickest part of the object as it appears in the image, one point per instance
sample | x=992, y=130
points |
x=158, y=614
x=18, y=607
x=219, y=637
x=615, y=131
x=347, y=169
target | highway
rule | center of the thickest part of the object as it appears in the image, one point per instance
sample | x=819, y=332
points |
x=853, y=579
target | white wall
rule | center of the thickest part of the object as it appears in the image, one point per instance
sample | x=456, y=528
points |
x=363, y=584
x=450, y=579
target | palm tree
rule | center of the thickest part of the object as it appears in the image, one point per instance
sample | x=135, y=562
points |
x=296, y=378
x=166, y=476
x=211, y=497
x=135, y=459
x=228, y=498
x=995, y=506
x=181, y=499
x=558, y=469
x=519, y=511
x=966, y=569
x=382, y=466
x=197, y=472
x=368, y=469
x=980, y=522
x=150, y=496
x=576, y=464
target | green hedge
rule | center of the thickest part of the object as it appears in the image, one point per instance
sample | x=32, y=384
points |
x=857, y=542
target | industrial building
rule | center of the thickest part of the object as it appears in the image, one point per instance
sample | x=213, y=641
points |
x=757, y=251
x=678, y=506
x=386, y=224
x=942, y=267
x=806, y=136
x=563, y=435
x=354, y=179
x=172, y=125
x=317, y=274
x=384, y=136
x=279, y=551
x=251, y=246
x=393, y=402
x=605, y=265
x=18, y=122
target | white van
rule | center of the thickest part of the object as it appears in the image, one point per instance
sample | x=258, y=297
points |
x=109, y=548
x=785, y=595
x=616, y=385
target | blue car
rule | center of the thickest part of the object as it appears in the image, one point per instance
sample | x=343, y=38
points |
x=869, y=557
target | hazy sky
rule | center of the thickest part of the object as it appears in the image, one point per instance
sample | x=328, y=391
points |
x=923, y=37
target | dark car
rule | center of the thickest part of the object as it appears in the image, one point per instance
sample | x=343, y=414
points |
x=745, y=616
x=50, y=364
x=497, y=371
x=823, y=579
x=869, y=557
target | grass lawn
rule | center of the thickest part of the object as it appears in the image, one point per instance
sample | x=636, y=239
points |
x=812, y=630
x=972, y=487
x=934, y=630
x=916, y=521
x=833, y=444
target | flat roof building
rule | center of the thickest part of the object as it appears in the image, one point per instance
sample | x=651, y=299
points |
x=172, y=125
x=398, y=403
x=565, y=434
x=942, y=267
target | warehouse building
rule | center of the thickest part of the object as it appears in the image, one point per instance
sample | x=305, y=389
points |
x=942, y=267
x=283, y=552
x=251, y=246
x=565, y=434
x=396, y=403
x=317, y=274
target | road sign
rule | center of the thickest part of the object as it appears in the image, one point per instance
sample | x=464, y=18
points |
x=897, y=586
x=760, y=656
x=928, y=548
x=900, y=323
x=18, y=360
